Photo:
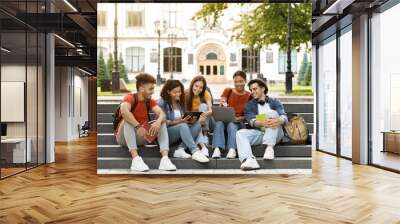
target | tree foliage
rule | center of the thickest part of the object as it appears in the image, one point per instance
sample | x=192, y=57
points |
x=101, y=68
x=264, y=25
x=122, y=69
x=302, y=71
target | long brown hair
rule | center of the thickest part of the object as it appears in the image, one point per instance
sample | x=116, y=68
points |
x=170, y=85
x=189, y=100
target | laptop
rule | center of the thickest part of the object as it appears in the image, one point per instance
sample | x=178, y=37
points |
x=225, y=114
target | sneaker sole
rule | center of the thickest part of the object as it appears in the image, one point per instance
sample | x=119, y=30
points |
x=249, y=168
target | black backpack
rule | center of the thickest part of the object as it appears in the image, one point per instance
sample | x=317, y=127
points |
x=117, y=117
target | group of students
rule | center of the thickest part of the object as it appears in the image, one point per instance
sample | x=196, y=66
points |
x=171, y=127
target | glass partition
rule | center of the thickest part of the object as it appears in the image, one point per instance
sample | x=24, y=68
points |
x=385, y=89
x=346, y=93
x=327, y=95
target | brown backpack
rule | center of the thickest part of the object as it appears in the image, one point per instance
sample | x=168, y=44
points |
x=296, y=129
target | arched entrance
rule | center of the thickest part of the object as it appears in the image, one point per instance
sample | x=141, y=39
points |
x=211, y=62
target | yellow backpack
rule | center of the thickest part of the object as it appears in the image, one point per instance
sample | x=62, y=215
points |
x=296, y=129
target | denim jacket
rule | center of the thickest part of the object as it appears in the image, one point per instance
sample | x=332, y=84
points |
x=251, y=110
x=168, y=110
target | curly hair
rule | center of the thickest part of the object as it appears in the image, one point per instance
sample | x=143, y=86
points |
x=260, y=83
x=170, y=85
x=189, y=100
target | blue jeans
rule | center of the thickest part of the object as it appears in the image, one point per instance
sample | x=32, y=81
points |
x=245, y=138
x=219, y=134
x=186, y=134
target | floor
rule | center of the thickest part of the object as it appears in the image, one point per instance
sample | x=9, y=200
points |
x=386, y=159
x=70, y=191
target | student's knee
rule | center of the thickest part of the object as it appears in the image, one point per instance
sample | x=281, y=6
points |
x=232, y=126
x=241, y=133
x=196, y=127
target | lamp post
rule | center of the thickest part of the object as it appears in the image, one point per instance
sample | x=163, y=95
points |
x=171, y=61
x=159, y=27
x=115, y=71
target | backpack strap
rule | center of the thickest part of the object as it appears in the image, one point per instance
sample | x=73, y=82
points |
x=135, y=101
x=148, y=109
x=229, y=94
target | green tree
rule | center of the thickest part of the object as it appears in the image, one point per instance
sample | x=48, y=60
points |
x=266, y=24
x=110, y=65
x=101, y=68
x=307, y=77
x=302, y=71
x=122, y=69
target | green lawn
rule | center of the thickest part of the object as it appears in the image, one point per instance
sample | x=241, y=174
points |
x=275, y=88
x=297, y=90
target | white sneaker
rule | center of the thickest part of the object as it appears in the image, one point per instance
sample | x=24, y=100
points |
x=166, y=164
x=138, y=164
x=200, y=157
x=180, y=153
x=205, y=152
x=250, y=164
x=269, y=153
x=231, y=154
x=216, y=153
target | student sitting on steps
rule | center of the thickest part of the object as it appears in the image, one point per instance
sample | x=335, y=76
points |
x=237, y=98
x=197, y=98
x=266, y=116
x=133, y=128
x=180, y=129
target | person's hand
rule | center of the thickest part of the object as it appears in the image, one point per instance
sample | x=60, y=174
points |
x=155, y=128
x=272, y=123
x=240, y=119
x=186, y=119
x=202, y=120
x=141, y=132
x=223, y=103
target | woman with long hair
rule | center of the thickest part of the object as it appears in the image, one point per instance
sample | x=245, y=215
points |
x=180, y=129
x=198, y=98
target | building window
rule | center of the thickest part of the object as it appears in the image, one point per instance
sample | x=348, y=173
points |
x=135, y=18
x=135, y=59
x=269, y=57
x=251, y=60
x=172, y=59
x=212, y=56
x=283, y=61
x=101, y=19
x=233, y=57
x=221, y=70
x=190, y=59
x=202, y=69
x=215, y=70
x=172, y=14
x=208, y=70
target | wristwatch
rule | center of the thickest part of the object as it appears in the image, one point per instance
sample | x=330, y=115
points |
x=138, y=126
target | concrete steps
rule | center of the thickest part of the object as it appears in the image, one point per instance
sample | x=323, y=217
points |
x=116, y=151
x=112, y=158
x=153, y=163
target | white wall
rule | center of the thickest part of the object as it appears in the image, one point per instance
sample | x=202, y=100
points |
x=69, y=85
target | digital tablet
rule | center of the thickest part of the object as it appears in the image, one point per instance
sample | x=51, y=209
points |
x=194, y=114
